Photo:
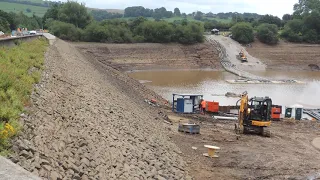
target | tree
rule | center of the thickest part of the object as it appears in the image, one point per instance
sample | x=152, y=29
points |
x=4, y=25
x=136, y=11
x=305, y=7
x=136, y=22
x=210, y=14
x=293, y=30
x=168, y=14
x=158, y=32
x=242, y=32
x=270, y=19
x=28, y=10
x=52, y=12
x=198, y=15
x=100, y=15
x=177, y=12
x=184, y=15
x=74, y=13
x=237, y=18
x=189, y=33
x=65, y=31
x=286, y=17
x=268, y=33
x=311, y=36
x=9, y=18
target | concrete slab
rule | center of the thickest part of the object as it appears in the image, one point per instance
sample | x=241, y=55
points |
x=50, y=37
x=11, y=171
x=316, y=143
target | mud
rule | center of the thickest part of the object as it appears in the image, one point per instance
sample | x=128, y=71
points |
x=287, y=56
x=148, y=56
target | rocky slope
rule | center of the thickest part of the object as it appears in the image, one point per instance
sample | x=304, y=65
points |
x=87, y=122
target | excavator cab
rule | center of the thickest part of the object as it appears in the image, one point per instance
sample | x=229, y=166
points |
x=254, y=115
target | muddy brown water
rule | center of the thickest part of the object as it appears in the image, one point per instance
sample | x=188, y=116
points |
x=213, y=86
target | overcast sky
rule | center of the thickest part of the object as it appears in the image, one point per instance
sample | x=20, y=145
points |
x=274, y=7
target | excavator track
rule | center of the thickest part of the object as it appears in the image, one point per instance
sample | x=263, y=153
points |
x=266, y=132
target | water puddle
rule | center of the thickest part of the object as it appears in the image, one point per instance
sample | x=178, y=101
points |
x=213, y=86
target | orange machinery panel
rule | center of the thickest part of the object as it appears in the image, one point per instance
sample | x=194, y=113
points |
x=275, y=113
x=212, y=107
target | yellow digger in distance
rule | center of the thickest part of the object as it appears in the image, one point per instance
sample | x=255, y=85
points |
x=242, y=57
x=254, y=115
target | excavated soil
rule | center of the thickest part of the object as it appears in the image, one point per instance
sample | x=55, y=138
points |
x=88, y=121
x=287, y=56
x=151, y=56
x=288, y=154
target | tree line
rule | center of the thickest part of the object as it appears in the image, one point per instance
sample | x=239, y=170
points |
x=71, y=21
x=12, y=21
x=301, y=26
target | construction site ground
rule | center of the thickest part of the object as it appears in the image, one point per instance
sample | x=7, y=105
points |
x=288, y=154
x=90, y=120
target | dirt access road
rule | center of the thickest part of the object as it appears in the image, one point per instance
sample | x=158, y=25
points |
x=88, y=121
x=232, y=50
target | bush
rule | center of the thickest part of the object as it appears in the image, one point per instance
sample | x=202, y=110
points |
x=268, y=33
x=242, y=32
x=188, y=34
x=107, y=32
x=310, y=36
x=65, y=31
x=16, y=83
x=290, y=35
x=157, y=32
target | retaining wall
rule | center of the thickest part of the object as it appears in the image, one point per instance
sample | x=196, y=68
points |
x=12, y=40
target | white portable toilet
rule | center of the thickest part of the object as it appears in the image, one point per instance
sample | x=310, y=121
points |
x=295, y=111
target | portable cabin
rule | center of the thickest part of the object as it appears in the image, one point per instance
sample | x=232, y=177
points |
x=186, y=103
x=215, y=31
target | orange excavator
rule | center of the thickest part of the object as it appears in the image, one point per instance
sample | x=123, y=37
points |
x=242, y=57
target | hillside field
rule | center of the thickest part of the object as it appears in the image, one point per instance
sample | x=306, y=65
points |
x=17, y=8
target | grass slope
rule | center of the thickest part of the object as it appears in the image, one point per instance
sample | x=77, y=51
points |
x=17, y=8
x=20, y=68
x=34, y=1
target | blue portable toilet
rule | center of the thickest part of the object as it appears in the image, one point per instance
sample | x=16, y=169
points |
x=180, y=105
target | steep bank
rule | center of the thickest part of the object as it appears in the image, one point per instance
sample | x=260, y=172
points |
x=287, y=56
x=152, y=56
x=87, y=122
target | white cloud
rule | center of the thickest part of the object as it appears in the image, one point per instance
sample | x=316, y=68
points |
x=274, y=7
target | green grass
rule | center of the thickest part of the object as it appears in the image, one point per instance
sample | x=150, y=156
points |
x=17, y=8
x=20, y=68
x=221, y=20
x=34, y=1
